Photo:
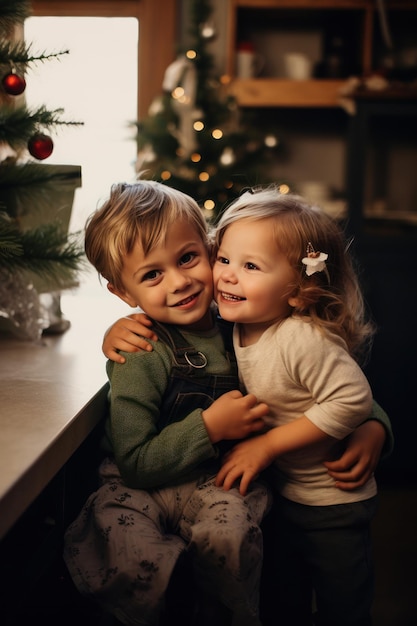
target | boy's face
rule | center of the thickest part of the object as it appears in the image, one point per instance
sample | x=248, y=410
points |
x=251, y=276
x=173, y=283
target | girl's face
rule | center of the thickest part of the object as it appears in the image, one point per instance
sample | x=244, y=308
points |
x=252, y=278
x=173, y=283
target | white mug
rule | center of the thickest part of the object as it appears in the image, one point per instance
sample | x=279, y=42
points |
x=297, y=66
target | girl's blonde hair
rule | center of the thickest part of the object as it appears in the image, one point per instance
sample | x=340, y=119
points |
x=139, y=212
x=332, y=300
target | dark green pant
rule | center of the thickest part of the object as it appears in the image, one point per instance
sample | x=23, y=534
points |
x=325, y=549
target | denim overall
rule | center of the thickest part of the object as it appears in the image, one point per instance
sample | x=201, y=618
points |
x=190, y=386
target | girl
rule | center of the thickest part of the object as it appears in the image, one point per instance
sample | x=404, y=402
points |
x=283, y=275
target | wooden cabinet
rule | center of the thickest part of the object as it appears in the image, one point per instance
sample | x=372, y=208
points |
x=346, y=37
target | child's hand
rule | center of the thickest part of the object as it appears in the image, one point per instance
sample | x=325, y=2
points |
x=128, y=334
x=360, y=458
x=234, y=416
x=245, y=462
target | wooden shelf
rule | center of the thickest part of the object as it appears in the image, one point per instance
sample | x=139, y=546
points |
x=276, y=92
x=256, y=16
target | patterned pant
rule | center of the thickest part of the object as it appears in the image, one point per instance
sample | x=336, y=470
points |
x=125, y=543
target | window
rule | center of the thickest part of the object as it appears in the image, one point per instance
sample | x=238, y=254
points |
x=132, y=65
x=95, y=83
x=157, y=36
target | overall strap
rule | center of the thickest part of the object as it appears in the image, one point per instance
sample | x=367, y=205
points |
x=185, y=355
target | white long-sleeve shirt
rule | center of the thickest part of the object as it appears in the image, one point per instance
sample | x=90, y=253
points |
x=299, y=370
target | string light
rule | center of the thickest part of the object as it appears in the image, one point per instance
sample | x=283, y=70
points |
x=191, y=54
x=195, y=157
x=178, y=93
x=165, y=175
x=271, y=141
x=198, y=126
x=203, y=176
x=207, y=30
x=227, y=157
x=217, y=133
x=209, y=205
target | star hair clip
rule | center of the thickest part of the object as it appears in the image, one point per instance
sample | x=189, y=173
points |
x=315, y=261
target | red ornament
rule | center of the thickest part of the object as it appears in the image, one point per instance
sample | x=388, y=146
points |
x=14, y=84
x=40, y=146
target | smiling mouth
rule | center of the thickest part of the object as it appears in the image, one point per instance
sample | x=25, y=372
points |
x=186, y=300
x=231, y=298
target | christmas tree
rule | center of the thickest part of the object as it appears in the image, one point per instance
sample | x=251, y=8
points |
x=32, y=247
x=195, y=138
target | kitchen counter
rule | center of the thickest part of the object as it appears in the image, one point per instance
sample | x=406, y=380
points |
x=52, y=395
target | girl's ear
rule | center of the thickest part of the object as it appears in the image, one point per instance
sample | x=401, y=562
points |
x=294, y=301
x=123, y=295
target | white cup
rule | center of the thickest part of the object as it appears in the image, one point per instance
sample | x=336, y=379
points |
x=297, y=66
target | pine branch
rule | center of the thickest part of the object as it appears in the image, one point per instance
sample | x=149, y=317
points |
x=50, y=244
x=18, y=125
x=10, y=240
x=47, y=252
x=20, y=53
x=28, y=175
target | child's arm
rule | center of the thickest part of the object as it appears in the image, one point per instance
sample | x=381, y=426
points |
x=360, y=458
x=363, y=451
x=352, y=470
x=130, y=334
x=249, y=458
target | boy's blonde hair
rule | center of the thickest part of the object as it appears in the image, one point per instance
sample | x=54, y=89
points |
x=139, y=212
x=333, y=301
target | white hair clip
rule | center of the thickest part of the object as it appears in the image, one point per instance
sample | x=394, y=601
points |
x=315, y=261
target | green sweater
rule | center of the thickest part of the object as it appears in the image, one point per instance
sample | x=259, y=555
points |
x=147, y=458
x=379, y=415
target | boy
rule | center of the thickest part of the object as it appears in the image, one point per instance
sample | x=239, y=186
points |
x=158, y=497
